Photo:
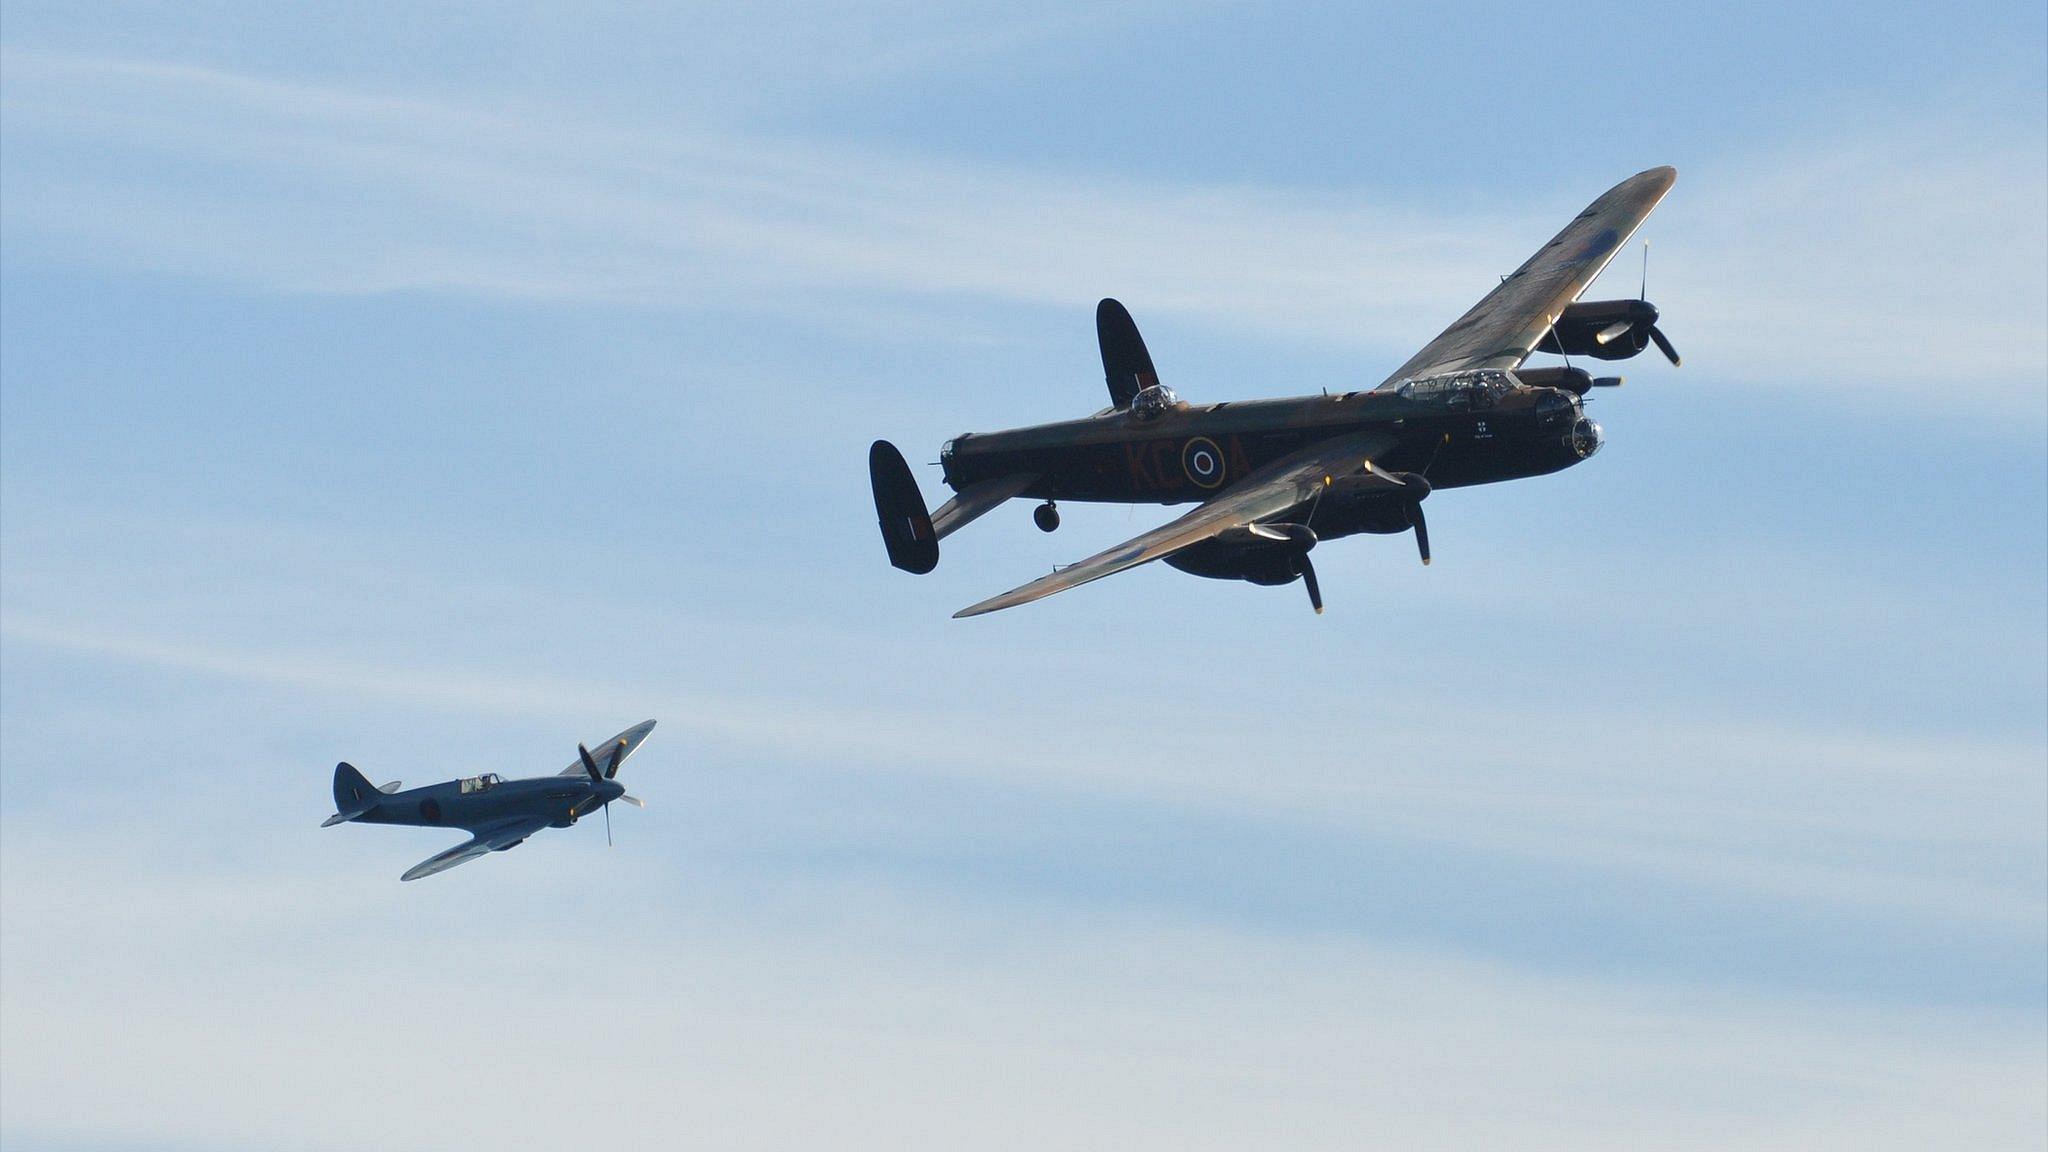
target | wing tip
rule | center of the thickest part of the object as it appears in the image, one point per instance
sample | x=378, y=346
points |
x=1663, y=176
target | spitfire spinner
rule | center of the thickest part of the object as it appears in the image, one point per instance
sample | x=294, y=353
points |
x=496, y=812
x=1276, y=477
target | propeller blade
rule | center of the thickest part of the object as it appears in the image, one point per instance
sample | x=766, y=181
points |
x=1421, y=526
x=1308, y=578
x=589, y=765
x=607, y=824
x=635, y=801
x=1643, y=293
x=618, y=754
x=1612, y=332
x=1664, y=345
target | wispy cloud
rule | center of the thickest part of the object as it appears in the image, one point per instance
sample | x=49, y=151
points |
x=1816, y=817
x=1808, y=261
x=862, y=1015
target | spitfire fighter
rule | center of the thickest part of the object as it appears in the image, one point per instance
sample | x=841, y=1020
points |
x=496, y=812
x=1275, y=477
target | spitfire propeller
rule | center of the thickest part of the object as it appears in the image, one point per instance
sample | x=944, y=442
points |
x=608, y=772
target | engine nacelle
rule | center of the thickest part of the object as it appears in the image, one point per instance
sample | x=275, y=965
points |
x=1262, y=554
x=1576, y=381
x=1626, y=325
x=1368, y=503
x=1378, y=513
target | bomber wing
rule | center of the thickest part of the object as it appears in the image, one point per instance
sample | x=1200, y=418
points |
x=1501, y=330
x=1269, y=492
x=494, y=838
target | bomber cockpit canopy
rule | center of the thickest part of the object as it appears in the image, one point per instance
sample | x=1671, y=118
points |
x=1150, y=402
x=1475, y=389
x=482, y=783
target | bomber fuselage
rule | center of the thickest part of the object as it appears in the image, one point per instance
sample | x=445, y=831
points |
x=1456, y=436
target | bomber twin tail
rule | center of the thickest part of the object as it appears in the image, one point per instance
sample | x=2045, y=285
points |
x=1276, y=477
x=497, y=813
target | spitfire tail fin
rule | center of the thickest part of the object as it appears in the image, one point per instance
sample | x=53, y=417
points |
x=906, y=523
x=353, y=794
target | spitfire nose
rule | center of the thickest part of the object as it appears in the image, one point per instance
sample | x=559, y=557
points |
x=610, y=790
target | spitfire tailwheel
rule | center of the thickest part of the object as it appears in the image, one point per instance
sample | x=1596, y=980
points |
x=1046, y=516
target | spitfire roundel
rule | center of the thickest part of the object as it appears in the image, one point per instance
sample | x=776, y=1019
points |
x=1202, y=460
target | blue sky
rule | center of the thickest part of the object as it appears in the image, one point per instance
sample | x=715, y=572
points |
x=435, y=392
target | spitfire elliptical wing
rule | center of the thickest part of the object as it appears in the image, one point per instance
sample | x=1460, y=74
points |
x=492, y=839
x=1501, y=330
x=1273, y=490
x=632, y=737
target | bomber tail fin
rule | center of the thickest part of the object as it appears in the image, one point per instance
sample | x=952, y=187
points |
x=353, y=794
x=906, y=523
x=1126, y=365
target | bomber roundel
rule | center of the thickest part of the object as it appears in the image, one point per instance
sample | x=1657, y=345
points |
x=1202, y=460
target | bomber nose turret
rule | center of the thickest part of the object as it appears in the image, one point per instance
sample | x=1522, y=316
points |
x=1585, y=438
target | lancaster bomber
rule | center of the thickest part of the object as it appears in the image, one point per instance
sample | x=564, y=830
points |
x=1275, y=477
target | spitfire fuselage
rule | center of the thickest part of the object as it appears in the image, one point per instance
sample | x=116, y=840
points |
x=1190, y=452
x=468, y=805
